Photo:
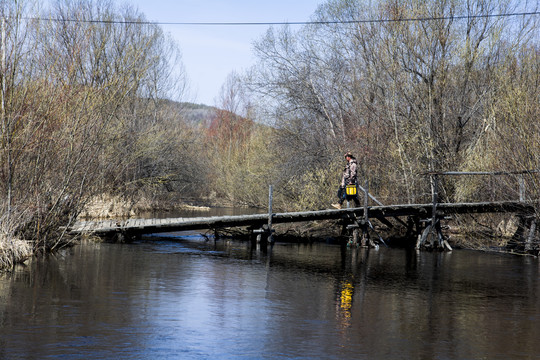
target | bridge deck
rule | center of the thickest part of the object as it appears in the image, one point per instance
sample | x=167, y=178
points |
x=147, y=226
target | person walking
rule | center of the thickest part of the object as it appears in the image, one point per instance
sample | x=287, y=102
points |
x=349, y=177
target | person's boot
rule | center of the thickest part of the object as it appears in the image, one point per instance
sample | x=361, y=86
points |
x=337, y=206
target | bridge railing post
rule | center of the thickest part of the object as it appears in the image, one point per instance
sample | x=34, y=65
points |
x=521, y=180
x=434, y=197
x=270, y=214
x=365, y=226
x=366, y=201
x=435, y=201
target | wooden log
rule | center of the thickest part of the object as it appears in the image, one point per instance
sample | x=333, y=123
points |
x=376, y=233
x=383, y=220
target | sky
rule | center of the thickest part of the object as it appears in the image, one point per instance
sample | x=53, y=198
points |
x=211, y=53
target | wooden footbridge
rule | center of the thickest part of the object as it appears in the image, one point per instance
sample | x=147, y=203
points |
x=421, y=220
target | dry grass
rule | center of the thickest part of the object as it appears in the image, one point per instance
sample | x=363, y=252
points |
x=13, y=251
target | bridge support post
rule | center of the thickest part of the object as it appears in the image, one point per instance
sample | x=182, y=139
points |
x=531, y=235
x=433, y=226
x=413, y=226
x=525, y=237
x=262, y=236
x=520, y=238
x=364, y=225
x=257, y=235
x=438, y=241
x=123, y=236
x=359, y=235
x=354, y=238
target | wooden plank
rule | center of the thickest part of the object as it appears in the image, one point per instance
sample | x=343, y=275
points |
x=179, y=224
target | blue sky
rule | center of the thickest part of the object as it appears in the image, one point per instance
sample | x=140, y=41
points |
x=211, y=53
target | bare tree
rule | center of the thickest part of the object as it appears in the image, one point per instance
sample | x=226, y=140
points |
x=76, y=88
x=408, y=85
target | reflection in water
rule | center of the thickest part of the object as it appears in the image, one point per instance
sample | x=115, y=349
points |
x=353, y=262
x=344, y=304
x=345, y=298
x=183, y=297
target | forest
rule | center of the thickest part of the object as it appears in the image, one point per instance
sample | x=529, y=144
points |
x=93, y=106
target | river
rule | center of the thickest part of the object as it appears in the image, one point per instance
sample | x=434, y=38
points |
x=182, y=296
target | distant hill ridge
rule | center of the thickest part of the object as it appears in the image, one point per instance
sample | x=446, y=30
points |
x=199, y=114
x=195, y=114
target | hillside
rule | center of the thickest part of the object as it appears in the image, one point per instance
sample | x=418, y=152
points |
x=195, y=114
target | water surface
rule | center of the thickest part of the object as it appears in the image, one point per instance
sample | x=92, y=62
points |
x=184, y=297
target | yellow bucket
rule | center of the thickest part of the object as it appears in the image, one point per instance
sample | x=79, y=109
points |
x=350, y=189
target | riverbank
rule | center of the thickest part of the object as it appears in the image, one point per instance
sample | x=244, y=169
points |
x=114, y=207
